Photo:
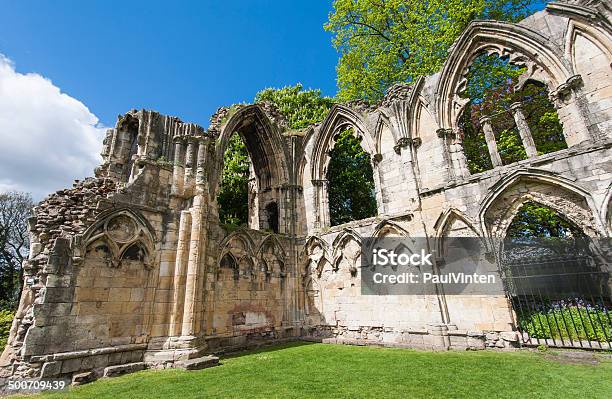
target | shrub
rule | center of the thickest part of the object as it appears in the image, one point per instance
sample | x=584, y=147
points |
x=6, y=319
x=571, y=322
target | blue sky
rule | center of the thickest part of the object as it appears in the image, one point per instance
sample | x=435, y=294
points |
x=68, y=68
x=182, y=58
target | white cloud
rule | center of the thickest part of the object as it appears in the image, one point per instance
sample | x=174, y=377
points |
x=47, y=138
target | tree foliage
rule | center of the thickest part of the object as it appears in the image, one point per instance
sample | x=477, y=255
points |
x=491, y=88
x=351, y=181
x=301, y=107
x=233, y=194
x=382, y=42
x=6, y=320
x=15, y=209
x=535, y=220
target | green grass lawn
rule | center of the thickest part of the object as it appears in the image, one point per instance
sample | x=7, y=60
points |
x=303, y=370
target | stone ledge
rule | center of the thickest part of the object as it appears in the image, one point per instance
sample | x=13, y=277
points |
x=89, y=352
x=458, y=333
x=115, y=371
x=83, y=378
x=198, y=363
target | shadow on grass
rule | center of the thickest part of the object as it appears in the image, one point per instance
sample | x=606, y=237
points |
x=272, y=347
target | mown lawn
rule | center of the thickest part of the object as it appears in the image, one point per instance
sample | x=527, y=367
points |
x=336, y=371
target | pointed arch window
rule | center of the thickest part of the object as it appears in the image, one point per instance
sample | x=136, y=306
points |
x=350, y=178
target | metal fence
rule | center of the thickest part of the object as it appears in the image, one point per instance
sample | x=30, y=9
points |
x=559, y=300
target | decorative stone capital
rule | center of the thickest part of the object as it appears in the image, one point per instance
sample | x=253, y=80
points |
x=516, y=106
x=574, y=82
x=191, y=139
x=446, y=133
x=403, y=142
x=564, y=90
x=484, y=119
x=377, y=158
x=319, y=182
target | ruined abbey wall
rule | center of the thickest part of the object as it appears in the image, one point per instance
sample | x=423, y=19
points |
x=133, y=267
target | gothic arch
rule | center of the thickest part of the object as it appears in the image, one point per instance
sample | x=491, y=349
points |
x=566, y=197
x=271, y=241
x=120, y=230
x=381, y=230
x=138, y=250
x=247, y=264
x=586, y=12
x=389, y=226
x=524, y=46
x=228, y=261
x=345, y=235
x=339, y=117
x=317, y=153
x=415, y=101
x=450, y=215
x=446, y=221
x=384, y=121
x=264, y=144
x=312, y=242
x=308, y=257
x=601, y=39
x=242, y=236
x=340, y=241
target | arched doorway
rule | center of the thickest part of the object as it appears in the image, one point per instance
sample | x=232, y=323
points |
x=555, y=280
x=250, y=190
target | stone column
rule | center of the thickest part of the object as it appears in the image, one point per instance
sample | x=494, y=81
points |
x=188, y=185
x=201, y=161
x=323, y=197
x=381, y=206
x=406, y=149
x=192, y=293
x=180, y=272
x=523, y=128
x=458, y=158
x=317, y=205
x=485, y=121
x=179, y=170
x=447, y=135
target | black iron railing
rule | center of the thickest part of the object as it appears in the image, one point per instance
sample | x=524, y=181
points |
x=561, y=301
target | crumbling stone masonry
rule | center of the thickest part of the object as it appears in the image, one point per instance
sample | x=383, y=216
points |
x=132, y=268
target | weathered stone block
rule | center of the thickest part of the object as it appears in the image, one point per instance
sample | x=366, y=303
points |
x=115, y=371
x=51, y=369
x=83, y=378
x=198, y=363
x=71, y=365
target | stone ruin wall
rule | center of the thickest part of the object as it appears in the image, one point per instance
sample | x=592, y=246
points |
x=132, y=267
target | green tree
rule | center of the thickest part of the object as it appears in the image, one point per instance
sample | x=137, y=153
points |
x=542, y=118
x=351, y=181
x=382, y=42
x=491, y=89
x=535, y=220
x=301, y=107
x=15, y=209
x=6, y=320
x=233, y=197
